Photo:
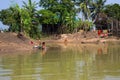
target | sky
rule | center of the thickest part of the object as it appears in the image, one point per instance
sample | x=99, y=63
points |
x=4, y=4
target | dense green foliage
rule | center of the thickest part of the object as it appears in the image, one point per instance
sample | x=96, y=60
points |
x=22, y=19
x=30, y=19
x=113, y=11
x=55, y=13
x=62, y=13
x=11, y=17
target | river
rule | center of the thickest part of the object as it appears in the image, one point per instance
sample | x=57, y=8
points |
x=64, y=62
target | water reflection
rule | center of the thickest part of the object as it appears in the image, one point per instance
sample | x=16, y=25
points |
x=64, y=62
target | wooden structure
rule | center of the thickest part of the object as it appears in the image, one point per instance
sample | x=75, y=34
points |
x=50, y=28
x=101, y=21
x=105, y=23
x=115, y=27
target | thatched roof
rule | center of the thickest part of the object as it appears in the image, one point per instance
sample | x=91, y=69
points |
x=101, y=20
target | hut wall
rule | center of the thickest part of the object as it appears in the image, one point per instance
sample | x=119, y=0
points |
x=116, y=28
x=49, y=28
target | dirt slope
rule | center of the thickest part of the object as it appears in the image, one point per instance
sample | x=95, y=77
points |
x=10, y=42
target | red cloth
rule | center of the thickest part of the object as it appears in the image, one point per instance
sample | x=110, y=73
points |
x=99, y=32
x=31, y=42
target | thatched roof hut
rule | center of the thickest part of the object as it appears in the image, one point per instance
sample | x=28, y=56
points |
x=101, y=21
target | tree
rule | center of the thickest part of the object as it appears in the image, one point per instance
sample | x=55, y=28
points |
x=97, y=7
x=30, y=19
x=113, y=11
x=64, y=11
x=11, y=17
x=22, y=19
x=84, y=6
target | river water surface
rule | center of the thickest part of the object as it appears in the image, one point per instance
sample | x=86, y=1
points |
x=64, y=62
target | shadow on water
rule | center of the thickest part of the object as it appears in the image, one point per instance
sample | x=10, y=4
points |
x=64, y=62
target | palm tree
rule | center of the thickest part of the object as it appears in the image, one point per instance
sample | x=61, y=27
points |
x=30, y=7
x=98, y=7
x=85, y=9
x=32, y=21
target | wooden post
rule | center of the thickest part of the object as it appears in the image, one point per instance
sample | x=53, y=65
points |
x=117, y=28
x=112, y=27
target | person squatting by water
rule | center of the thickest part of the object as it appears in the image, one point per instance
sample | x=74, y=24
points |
x=40, y=46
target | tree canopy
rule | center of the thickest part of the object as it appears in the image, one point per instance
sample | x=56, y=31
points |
x=60, y=13
x=113, y=11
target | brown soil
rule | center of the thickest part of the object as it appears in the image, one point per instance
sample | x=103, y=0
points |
x=82, y=37
x=10, y=43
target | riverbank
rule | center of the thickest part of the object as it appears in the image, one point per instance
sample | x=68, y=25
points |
x=11, y=43
x=82, y=38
